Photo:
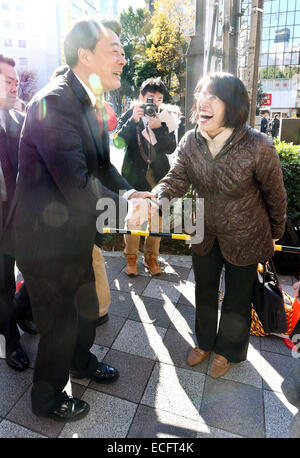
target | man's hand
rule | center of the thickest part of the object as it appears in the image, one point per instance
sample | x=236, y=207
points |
x=139, y=211
x=274, y=242
x=154, y=123
x=138, y=112
x=141, y=195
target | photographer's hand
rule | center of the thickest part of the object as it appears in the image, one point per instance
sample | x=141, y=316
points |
x=138, y=113
x=154, y=123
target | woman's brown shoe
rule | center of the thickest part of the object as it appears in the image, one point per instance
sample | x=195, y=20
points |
x=196, y=356
x=220, y=366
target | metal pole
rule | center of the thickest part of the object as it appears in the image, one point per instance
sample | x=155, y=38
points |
x=235, y=15
x=253, y=57
x=195, y=59
x=226, y=30
x=212, y=37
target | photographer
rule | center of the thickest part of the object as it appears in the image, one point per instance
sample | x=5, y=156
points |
x=148, y=131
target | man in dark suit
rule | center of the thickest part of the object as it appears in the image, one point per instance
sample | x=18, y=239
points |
x=11, y=122
x=64, y=169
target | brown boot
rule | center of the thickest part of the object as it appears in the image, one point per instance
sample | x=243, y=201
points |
x=131, y=266
x=220, y=366
x=150, y=261
x=196, y=356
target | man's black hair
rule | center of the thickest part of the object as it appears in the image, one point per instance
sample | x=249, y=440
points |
x=86, y=34
x=153, y=85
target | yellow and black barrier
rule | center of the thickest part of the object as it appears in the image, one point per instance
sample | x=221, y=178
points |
x=108, y=230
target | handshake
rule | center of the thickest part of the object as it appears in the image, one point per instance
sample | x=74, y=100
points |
x=142, y=206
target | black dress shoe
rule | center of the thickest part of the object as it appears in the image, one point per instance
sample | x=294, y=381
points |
x=27, y=326
x=17, y=359
x=103, y=374
x=102, y=319
x=72, y=409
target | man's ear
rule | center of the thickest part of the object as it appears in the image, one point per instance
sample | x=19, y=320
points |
x=84, y=56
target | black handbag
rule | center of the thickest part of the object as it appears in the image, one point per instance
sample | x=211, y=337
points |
x=267, y=300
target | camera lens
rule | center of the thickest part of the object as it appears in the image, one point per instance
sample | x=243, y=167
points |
x=150, y=111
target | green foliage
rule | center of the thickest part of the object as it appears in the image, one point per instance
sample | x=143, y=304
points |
x=145, y=70
x=135, y=29
x=278, y=72
x=289, y=155
x=260, y=95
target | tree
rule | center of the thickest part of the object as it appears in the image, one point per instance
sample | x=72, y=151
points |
x=136, y=27
x=28, y=85
x=144, y=70
x=260, y=95
x=168, y=43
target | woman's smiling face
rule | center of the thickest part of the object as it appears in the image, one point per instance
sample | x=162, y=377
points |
x=211, y=112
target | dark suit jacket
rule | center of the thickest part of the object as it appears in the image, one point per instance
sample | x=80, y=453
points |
x=64, y=168
x=9, y=138
x=134, y=167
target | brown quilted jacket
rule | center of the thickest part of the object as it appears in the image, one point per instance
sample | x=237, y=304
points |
x=243, y=191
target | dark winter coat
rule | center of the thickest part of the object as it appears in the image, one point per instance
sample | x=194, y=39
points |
x=243, y=191
x=134, y=167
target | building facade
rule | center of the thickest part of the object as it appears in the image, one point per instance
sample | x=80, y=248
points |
x=32, y=32
x=279, y=62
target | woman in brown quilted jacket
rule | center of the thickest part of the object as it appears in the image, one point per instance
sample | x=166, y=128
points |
x=237, y=172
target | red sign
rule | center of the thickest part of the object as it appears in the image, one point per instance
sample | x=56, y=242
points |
x=266, y=100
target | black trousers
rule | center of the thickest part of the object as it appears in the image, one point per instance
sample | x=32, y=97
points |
x=8, y=325
x=231, y=339
x=65, y=308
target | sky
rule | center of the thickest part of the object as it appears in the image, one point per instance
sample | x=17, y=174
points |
x=134, y=3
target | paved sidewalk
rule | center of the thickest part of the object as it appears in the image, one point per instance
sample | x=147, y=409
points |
x=148, y=336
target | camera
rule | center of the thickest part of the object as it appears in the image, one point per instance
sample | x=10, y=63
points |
x=150, y=108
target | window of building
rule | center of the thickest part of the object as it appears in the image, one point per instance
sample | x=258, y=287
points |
x=6, y=25
x=22, y=43
x=291, y=5
x=19, y=7
x=8, y=42
x=5, y=5
x=23, y=60
x=20, y=26
x=267, y=7
x=275, y=5
x=282, y=19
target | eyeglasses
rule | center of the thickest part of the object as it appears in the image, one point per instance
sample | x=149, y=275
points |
x=210, y=98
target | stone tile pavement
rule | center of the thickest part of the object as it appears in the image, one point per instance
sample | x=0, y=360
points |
x=148, y=337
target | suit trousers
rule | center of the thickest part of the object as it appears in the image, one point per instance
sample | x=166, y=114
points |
x=231, y=338
x=8, y=325
x=65, y=308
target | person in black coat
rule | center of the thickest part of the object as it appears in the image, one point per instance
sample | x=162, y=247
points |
x=275, y=126
x=64, y=172
x=148, y=139
x=14, y=309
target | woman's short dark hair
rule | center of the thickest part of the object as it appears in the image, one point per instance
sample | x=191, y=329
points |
x=86, y=34
x=231, y=90
x=153, y=85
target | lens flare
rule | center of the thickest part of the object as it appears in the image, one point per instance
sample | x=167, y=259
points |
x=95, y=84
x=118, y=142
x=42, y=109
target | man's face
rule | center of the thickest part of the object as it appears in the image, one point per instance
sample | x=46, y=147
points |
x=106, y=62
x=158, y=98
x=9, y=83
